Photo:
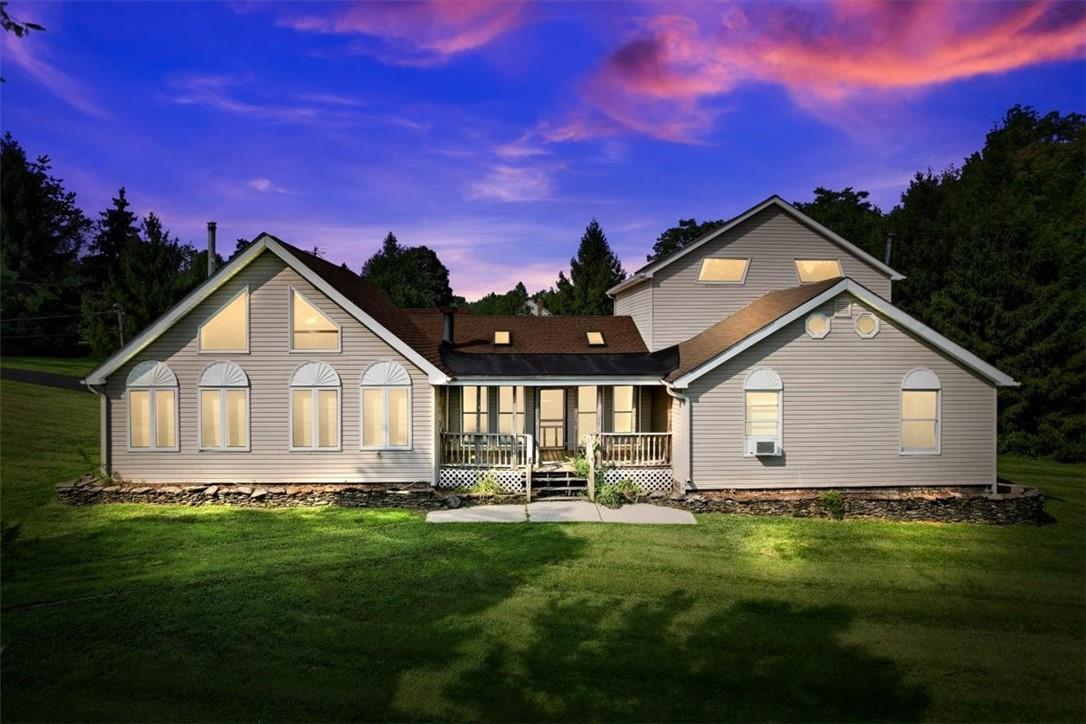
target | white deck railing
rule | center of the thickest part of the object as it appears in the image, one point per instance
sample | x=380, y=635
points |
x=634, y=449
x=486, y=450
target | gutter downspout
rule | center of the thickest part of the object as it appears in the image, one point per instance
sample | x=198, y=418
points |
x=681, y=397
x=103, y=430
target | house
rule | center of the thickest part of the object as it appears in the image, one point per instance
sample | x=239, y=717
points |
x=767, y=354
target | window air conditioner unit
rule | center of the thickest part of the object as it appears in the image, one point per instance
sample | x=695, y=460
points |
x=765, y=447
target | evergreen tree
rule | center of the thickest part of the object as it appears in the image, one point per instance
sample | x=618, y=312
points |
x=592, y=272
x=848, y=213
x=41, y=234
x=677, y=237
x=513, y=302
x=412, y=276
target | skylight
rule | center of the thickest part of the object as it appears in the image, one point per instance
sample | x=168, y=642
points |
x=502, y=336
x=595, y=339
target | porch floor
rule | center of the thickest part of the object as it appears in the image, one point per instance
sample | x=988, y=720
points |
x=564, y=511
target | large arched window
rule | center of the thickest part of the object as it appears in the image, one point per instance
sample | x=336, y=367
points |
x=921, y=410
x=314, y=407
x=224, y=408
x=762, y=392
x=151, y=391
x=386, y=407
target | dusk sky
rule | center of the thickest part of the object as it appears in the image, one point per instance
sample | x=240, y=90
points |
x=493, y=132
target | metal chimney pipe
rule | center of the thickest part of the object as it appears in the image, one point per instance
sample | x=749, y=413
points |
x=448, y=327
x=210, y=248
x=889, y=248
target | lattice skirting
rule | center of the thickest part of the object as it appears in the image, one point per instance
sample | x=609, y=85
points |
x=648, y=480
x=511, y=481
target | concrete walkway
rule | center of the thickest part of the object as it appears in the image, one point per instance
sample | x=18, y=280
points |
x=564, y=511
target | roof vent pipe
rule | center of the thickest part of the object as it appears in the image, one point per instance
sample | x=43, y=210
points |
x=889, y=248
x=210, y=248
x=448, y=326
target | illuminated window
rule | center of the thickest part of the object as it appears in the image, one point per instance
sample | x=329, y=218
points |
x=762, y=403
x=386, y=406
x=867, y=325
x=151, y=388
x=586, y=411
x=502, y=337
x=727, y=271
x=595, y=339
x=474, y=408
x=310, y=328
x=818, y=326
x=224, y=408
x=314, y=407
x=510, y=410
x=817, y=270
x=228, y=329
x=921, y=409
x=624, y=414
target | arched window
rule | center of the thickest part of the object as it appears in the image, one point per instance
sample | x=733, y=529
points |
x=921, y=410
x=224, y=408
x=151, y=389
x=762, y=419
x=386, y=407
x=314, y=407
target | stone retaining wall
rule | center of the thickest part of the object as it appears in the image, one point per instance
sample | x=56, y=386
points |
x=1013, y=504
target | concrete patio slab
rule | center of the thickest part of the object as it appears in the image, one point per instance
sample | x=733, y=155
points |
x=479, y=514
x=563, y=511
x=643, y=513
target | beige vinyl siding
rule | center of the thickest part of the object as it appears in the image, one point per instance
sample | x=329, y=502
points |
x=270, y=366
x=841, y=414
x=680, y=441
x=772, y=240
x=637, y=303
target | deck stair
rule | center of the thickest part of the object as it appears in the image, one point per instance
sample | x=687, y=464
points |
x=559, y=483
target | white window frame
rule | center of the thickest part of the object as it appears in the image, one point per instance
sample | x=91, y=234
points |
x=290, y=326
x=390, y=371
x=755, y=382
x=856, y=325
x=248, y=325
x=151, y=388
x=930, y=383
x=313, y=389
x=825, y=317
x=520, y=409
x=223, y=420
x=797, y=260
x=484, y=415
x=635, y=395
x=741, y=282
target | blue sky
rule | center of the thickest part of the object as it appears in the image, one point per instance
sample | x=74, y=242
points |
x=493, y=132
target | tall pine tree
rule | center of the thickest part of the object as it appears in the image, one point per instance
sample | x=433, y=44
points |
x=592, y=272
x=412, y=276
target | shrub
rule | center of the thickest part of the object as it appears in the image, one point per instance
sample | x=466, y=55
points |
x=580, y=466
x=628, y=488
x=487, y=486
x=834, y=503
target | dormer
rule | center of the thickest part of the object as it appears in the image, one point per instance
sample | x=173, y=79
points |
x=769, y=247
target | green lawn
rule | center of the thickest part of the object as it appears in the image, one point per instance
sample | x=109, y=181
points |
x=76, y=367
x=127, y=613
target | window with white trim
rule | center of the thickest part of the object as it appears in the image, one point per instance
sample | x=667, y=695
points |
x=151, y=391
x=510, y=410
x=762, y=405
x=810, y=271
x=818, y=325
x=386, y=407
x=723, y=271
x=587, y=417
x=624, y=412
x=227, y=330
x=866, y=325
x=310, y=328
x=921, y=410
x=473, y=408
x=315, y=407
x=224, y=408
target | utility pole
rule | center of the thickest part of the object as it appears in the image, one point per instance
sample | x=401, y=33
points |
x=119, y=311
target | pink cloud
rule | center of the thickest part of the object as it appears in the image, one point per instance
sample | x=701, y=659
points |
x=418, y=32
x=658, y=81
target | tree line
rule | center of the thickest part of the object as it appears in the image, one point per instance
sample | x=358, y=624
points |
x=992, y=251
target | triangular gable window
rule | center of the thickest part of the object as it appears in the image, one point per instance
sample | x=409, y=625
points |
x=228, y=329
x=311, y=329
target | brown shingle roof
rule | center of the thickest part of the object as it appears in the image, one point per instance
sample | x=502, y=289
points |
x=731, y=330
